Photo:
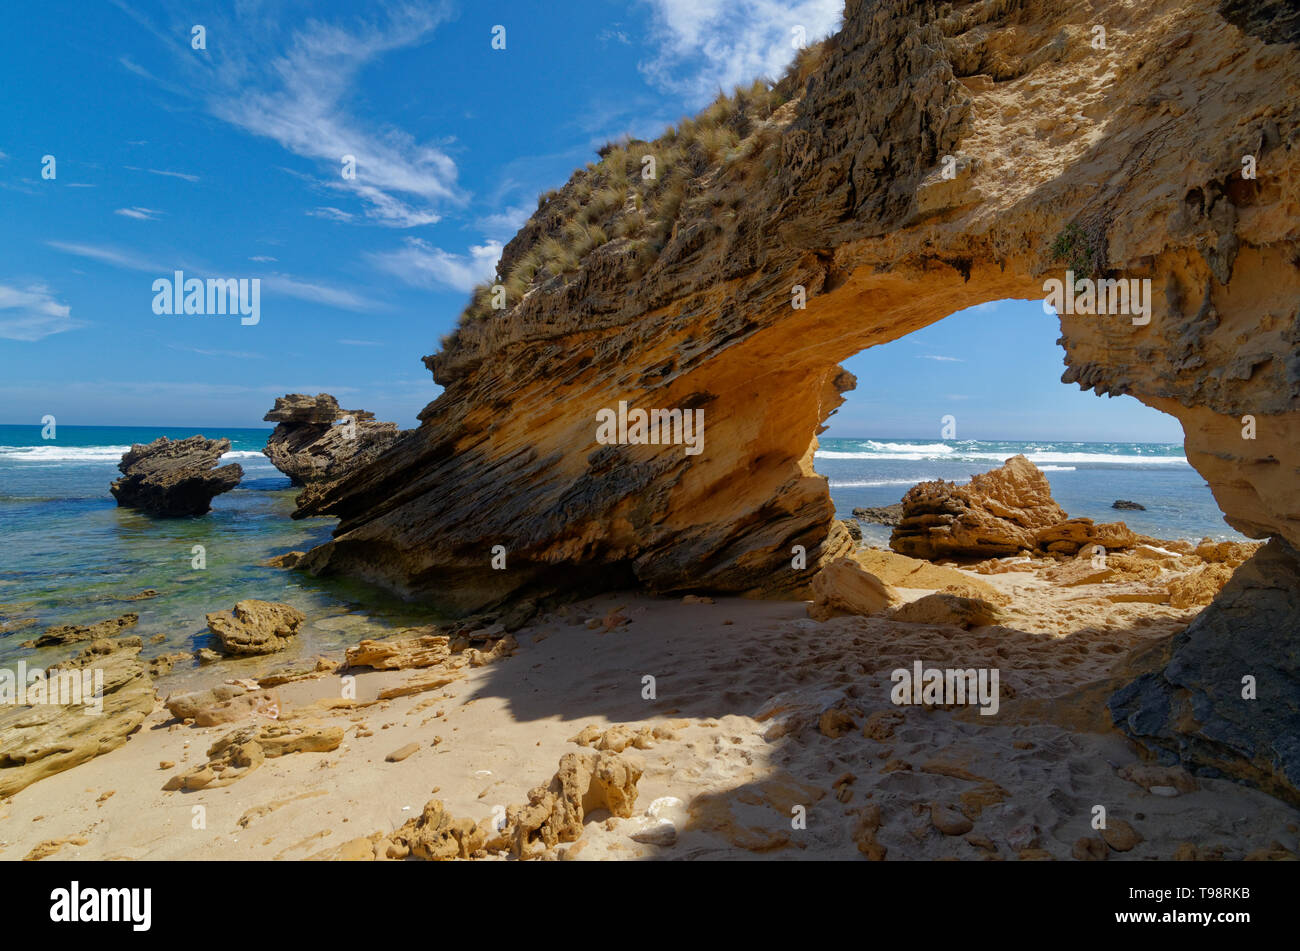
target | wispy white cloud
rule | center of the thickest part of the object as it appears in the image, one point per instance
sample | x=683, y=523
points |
x=30, y=313
x=263, y=258
x=932, y=356
x=282, y=284
x=361, y=343
x=109, y=255
x=421, y=265
x=236, y=354
x=183, y=176
x=316, y=293
x=504, y=224
x=331, y=214
x=704, y=45
x=297, y=97
x=140, y=214
x=131, y=66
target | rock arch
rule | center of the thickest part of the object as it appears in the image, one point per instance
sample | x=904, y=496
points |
x=1124, y=160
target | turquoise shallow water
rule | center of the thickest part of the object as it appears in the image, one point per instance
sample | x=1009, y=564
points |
x=67, y=551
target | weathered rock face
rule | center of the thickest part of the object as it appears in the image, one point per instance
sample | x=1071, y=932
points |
x=1139, y=145
x=175, y=479
x=307, y=446
x=70, y=633
x=1121, y=163
x=845, y=587
x=1199, y=710
x=996, y=513
x=255, y=627
x=42, y=739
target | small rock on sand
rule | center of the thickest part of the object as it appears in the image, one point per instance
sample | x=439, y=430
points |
x=401, y=753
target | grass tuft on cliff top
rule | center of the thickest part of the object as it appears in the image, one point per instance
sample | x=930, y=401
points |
x=614, y=199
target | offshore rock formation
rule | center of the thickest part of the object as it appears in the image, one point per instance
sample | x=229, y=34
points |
x=307, y=446
x=936, y=157
x=996, y=513
x=174, y=479
x=1007, y=511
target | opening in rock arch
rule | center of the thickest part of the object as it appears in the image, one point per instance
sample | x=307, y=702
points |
x=963, y=395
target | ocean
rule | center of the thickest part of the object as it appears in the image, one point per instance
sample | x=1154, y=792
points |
x=1086, y=478
x=68, y=553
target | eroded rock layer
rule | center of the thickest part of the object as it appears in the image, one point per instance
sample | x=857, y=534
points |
x=1138, y=146
x=934, y=157
x=1228, y=700
x=173, y=478
x=314, y=440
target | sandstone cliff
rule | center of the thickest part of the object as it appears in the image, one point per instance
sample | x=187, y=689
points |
x=840, y=191
x=1119, y=161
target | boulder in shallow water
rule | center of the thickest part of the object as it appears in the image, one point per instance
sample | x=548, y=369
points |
x=70, y=633
x=316, y=441
x=256, y=627
x=175, y=478
x=881, y=514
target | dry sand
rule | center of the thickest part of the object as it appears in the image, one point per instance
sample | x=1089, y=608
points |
x=743, y=688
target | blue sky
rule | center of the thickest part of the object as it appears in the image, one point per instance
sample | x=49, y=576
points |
x=226, y=162
x=997, y=369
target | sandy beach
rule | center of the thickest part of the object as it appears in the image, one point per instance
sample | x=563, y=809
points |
x=757, y=710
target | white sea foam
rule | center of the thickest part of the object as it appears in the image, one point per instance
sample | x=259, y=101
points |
x=57, y=453
x=850, y=484
x=1040, y=459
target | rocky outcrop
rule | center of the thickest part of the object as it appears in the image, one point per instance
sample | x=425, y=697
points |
x=949, y=609
x=584, y=783
x=175, y=478
x=237, y=754
x=315, y=441
x=70, y=633
x=881, y=514
x=926, y=159
x=224, y=703
x=1227, y=702
x=41, y=738
x=845, y=587
x=843, y=194
x=255, y=627
x=996, y=513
